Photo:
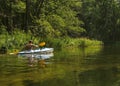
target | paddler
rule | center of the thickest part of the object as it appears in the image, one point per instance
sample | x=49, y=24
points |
x=30, y=45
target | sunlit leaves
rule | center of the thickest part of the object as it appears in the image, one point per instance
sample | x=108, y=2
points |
x=56, y=21
x=118, y=21
x=43, y=29
x=58, y=24
x=19, y=7
x=3, y=29
x=62, y=15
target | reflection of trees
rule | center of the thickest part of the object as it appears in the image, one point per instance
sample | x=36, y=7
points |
x=92, y=50
x=62, y=71
x=77, y=54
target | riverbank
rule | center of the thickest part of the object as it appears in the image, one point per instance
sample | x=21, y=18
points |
x=16, y=41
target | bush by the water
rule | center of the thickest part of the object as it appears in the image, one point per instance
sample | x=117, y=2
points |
x=18, y=39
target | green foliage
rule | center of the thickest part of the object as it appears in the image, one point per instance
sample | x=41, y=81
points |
x=19, y=7
x=63, y=17
x=101, y=19
x=43, y=29
x=58, y=24
x=3, y=29
x=67, y=42
x=56, y=21
x=50, y=19
x=92, y=19
x=14, y=41
x=84, y=42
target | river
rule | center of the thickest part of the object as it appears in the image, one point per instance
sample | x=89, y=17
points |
x=93, y=66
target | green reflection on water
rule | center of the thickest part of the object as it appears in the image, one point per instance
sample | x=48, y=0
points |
x=93, y=66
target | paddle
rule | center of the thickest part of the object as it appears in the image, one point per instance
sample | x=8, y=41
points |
x=42, y=44
x=15, y=51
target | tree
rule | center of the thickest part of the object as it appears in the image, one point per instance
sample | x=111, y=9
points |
x=100, y=18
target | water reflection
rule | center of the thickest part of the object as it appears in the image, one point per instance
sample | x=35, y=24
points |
x=71, y=67
x=99, y=77
x=34, y=59
x=31, y=83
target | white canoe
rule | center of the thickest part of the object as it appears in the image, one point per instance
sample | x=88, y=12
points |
x=41, y=51
x=39, y=56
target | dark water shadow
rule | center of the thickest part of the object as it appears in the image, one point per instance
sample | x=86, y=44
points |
x=31, y=83
x=99, y=77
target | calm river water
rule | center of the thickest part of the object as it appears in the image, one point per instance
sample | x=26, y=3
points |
x=94, y=66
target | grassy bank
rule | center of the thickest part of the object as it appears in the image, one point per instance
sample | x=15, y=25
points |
x=16, y=41
x=72, y=42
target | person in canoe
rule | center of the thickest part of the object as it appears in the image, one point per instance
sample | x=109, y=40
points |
x=30, y=46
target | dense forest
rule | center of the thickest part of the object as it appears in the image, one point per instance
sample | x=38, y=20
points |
x=93, y=19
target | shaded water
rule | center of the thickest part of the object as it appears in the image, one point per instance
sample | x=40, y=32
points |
x=93, y=66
